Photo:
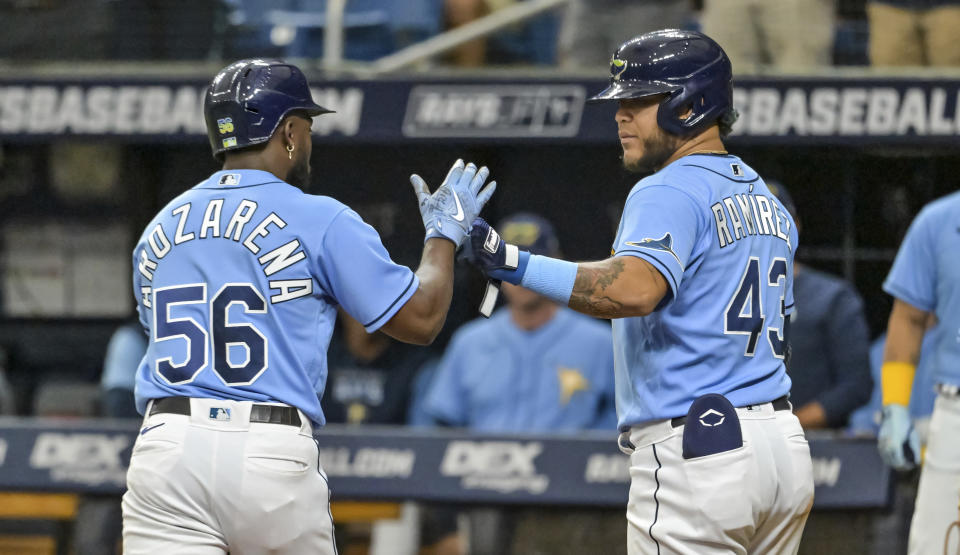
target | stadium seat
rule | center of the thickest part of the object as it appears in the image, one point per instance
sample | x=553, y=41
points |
x=534, y=42
x=295, y=28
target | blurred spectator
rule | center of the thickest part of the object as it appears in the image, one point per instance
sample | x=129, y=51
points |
x=370, y=379
x=914, y=32
x=532, y=367
x=593, y=29
x=124, y=353
x=99, y=521
x=866, y=419
x=789, y=34
x=829, y=343
x=531, y=41
x=370, y=376
x=461, y=12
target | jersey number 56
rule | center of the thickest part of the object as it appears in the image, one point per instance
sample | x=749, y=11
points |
x=224, y=336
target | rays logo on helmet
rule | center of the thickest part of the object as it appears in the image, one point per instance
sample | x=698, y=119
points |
x=225, y=125
x=617, y=67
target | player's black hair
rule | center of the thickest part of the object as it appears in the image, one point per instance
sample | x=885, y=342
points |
x=726, y=120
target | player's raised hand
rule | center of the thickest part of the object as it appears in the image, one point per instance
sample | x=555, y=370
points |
x=898, y=441
x=496, y=258
x=449, y=211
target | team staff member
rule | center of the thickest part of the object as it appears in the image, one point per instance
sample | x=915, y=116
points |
x=237, y=282
x=925, y=281
x=829, y=342
x=699, y=289
x=533, y=366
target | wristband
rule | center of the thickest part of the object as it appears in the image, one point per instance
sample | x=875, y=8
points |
x=550, y=277
x=896, y=378
x=516, y=262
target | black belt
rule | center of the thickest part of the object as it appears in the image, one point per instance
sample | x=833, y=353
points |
x=269, y=414
x=778, y=404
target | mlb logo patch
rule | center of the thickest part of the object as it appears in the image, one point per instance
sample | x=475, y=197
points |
x=230, y=179
x=492, y=241
x=737, y=170
x=220, y=413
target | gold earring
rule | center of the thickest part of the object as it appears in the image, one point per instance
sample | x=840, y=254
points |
x=290, y=151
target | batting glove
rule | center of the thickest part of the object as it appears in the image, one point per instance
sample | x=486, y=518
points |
x=449, y=210
x=497, y=259
x=897, y=441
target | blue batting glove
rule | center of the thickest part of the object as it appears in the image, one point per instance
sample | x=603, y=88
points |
x=497, y=259
x=449, y=210
x=897, y=441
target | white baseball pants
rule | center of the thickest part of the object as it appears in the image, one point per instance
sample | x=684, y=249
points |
x=754, y=499
x=204, y=486
x=938, y=495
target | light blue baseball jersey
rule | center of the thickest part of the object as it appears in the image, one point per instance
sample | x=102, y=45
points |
x=725, y=246
x=238, y=282
x=497, y=377
x=124, y=354
x=926, y=275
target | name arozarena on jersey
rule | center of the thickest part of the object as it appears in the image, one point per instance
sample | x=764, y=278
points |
x=211, y=227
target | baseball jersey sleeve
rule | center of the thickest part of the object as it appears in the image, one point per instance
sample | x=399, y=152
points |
x=660, y=225
x=357, y=272
x=914, y=274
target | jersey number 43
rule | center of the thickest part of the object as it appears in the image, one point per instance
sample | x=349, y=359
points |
x=745, y=310
x=224, y=336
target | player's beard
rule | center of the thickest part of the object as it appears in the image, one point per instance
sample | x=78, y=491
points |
x=299, y=175
x=657, y=149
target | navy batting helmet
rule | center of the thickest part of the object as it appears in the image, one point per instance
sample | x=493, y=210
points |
x=247, y=100
x=689, y=67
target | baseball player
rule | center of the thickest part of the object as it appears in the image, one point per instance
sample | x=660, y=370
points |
x=925, y=280
x=238, y=281
x=699, y=288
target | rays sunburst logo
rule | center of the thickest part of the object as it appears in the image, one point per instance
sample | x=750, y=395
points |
x=617, y=67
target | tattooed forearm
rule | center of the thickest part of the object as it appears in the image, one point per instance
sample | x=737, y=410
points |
x=589, y=289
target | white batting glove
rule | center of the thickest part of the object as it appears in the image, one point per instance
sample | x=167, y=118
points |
x=450, y=210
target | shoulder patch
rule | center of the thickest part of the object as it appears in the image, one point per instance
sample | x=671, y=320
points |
x=663, y=244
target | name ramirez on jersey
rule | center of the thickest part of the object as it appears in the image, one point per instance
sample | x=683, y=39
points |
x=235, y=227
x=742, y=215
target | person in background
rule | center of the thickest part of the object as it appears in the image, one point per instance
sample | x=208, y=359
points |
x=866, y=419
x=370, y=376
x=460, y=12
x=788, y=34
x=829, y=342
x=124, y=353
x=534, y=366
x=914, y=32
x=592, y=29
